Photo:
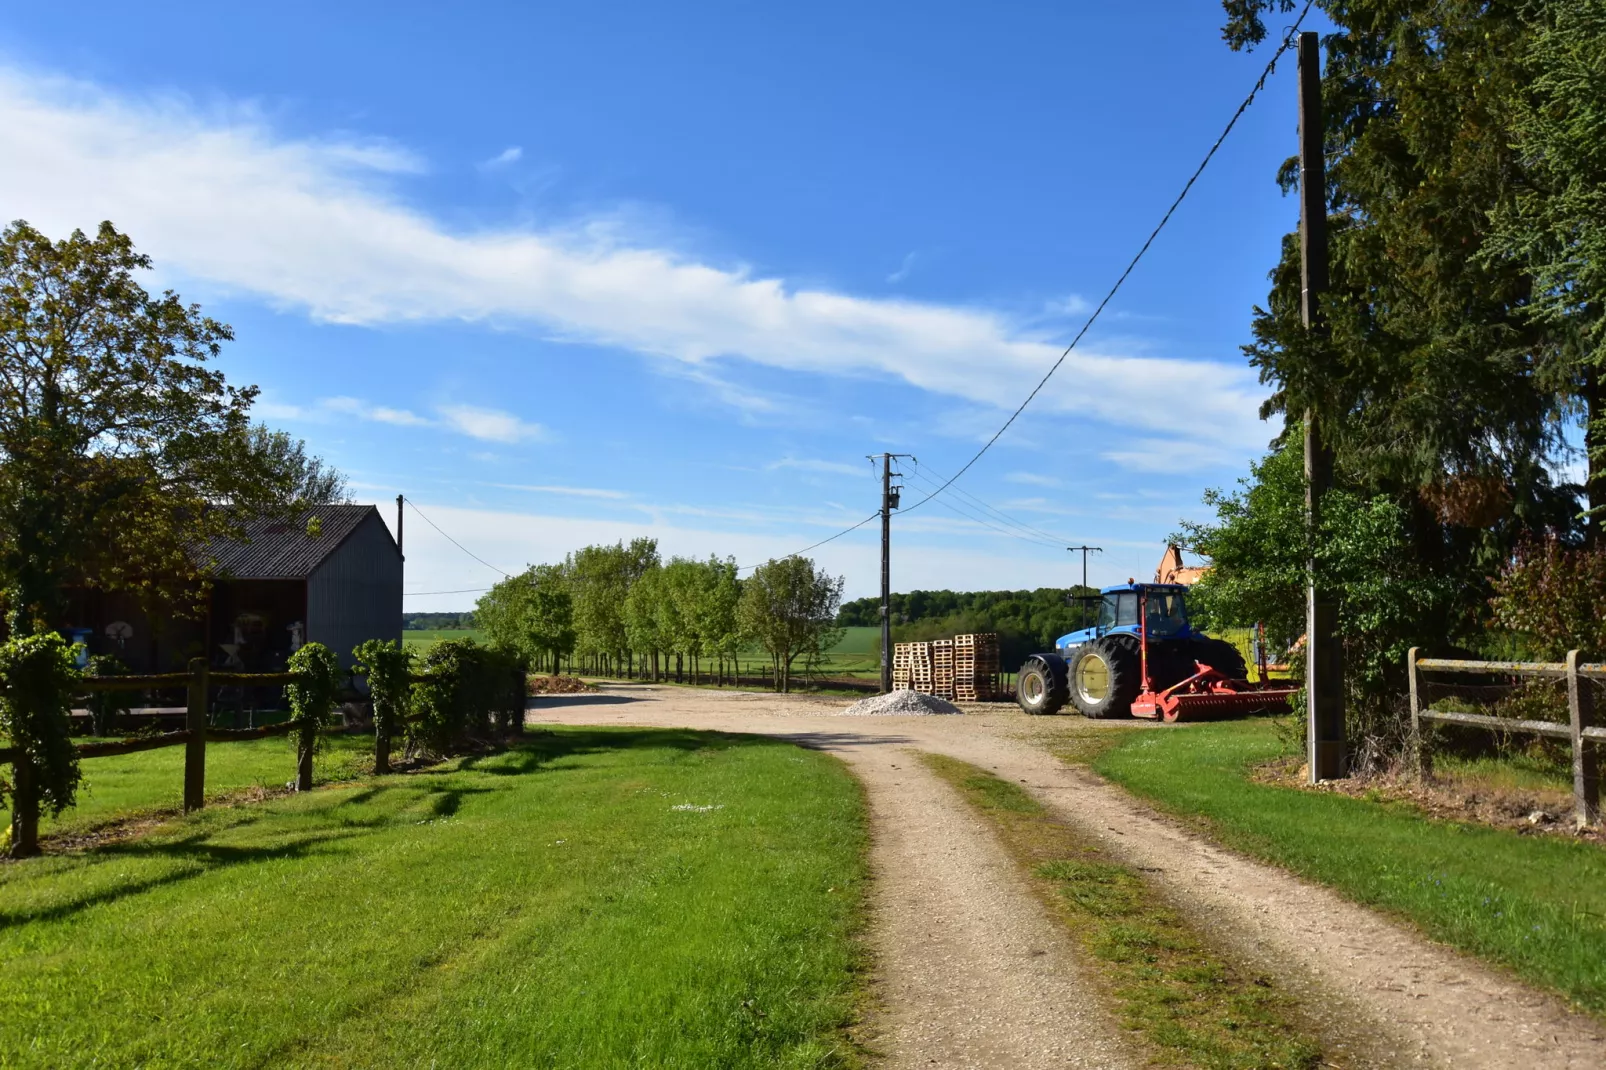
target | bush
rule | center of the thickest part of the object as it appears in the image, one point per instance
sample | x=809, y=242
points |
x=312, y=700
x=387, y=665
x=37, y=682
x=1552, y=595
x=464, y=685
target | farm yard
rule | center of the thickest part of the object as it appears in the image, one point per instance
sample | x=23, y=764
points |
x=839, y=582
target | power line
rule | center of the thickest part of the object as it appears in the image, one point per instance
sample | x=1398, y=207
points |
x=1260, y=83
x=958, y=510
x=822, y=542
x=457, y=544
x=465, y=590
x=1012, y=521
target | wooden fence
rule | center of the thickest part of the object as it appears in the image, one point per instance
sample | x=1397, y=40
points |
x=194, y=737
x=1581, y=732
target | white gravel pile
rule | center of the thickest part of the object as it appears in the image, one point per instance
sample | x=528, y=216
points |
x=900, y=704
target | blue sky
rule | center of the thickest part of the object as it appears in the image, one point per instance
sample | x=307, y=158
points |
x=568, y=273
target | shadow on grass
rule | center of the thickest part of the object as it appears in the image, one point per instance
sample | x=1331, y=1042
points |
x=208, y=857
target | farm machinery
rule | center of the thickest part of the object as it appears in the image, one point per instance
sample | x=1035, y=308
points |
x=1144, y=658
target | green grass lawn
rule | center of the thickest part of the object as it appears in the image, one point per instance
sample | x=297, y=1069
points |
x=591, y=898
x=1535, y=904
x=121, y=785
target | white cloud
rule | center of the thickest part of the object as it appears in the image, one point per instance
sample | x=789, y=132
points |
x=319, y=225
x=511, y=154
x=1069, y=305
x=903, y=269
x=1033, y=479
x=1170, y=455
x=489, y=425
x=806, y=464
x=573, y=492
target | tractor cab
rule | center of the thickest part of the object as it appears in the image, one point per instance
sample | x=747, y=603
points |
x=1118, y=609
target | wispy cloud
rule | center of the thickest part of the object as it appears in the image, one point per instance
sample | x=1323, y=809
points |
x=572, y=492
x=1033, y=479
x=903, y=270
x=489, y=425
x=511, y=154
x=1069, y=305
x=320, y=225
x=807, y=464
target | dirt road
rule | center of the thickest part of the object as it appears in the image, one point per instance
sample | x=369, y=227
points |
x=972, y=971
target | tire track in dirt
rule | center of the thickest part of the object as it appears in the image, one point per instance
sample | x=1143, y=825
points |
x=1402, y=999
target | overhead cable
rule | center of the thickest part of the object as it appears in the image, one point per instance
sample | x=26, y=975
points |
x=455, y=543
x=1260, y=83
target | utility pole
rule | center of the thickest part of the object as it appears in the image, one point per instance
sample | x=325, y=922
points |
x=1085, y=551
x=889, y=502
x=399, y=500
x=1324, y=665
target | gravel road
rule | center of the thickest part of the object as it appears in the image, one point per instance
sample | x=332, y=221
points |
x=973, y=973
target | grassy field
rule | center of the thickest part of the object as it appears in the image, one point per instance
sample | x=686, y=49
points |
x=1535, y=904
x=419, y=640
x=591, y=898
x=123, y=785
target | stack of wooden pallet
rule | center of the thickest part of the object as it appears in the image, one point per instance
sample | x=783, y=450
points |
x=976, y=667
x=942, y=668
x=908, y=661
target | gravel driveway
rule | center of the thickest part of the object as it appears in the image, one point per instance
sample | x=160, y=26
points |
x=971, y=971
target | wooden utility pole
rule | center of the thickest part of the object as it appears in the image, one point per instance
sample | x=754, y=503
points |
x=1324, y=665
x=1085, y=551
x=889, y=502
x=399, y=500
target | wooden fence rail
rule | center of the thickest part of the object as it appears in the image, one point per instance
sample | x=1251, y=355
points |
x=1581, y=732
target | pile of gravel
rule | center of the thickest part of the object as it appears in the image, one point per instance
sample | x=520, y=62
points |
x=900, y=704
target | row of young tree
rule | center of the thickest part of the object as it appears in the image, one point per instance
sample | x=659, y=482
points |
x=1458, y=381
x=623, y=609
x=1026, y=622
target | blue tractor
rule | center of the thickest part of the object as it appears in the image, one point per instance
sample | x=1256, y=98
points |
x=1144, y=658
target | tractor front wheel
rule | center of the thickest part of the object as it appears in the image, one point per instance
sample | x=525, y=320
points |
x=1104, y=677
x=1040, y=688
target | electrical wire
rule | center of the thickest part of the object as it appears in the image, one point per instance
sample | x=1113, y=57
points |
x=457, y=544
x=822, y=542
x=985, y=522
x=1260, y=83
x=1015, y=522
x=465, y=590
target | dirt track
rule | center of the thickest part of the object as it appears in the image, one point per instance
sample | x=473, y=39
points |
x=972, y=973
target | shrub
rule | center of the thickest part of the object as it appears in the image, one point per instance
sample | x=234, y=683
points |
x=37, y=682
x=1552, y=595
x=312, y=700
x=387, y=665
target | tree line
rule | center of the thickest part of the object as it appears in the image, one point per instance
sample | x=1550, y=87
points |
x=1026, y=622
x=623, y=609
x=1457, y=380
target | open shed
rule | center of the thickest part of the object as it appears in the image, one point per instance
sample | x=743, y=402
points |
x=333, y=575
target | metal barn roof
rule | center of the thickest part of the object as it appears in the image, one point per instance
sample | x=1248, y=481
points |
x=277, y=550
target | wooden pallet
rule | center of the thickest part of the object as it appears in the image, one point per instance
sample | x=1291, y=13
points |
x=942, y=668
x=976, y=667
x=911, y=666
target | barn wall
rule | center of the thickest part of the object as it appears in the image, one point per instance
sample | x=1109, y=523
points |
x=356, y=593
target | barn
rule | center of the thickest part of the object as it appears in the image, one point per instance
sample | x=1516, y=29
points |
x=333, y=576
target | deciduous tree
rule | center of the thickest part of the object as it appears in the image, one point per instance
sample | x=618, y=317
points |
x=788, y=607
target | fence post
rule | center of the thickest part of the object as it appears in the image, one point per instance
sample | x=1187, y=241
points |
x=1586, y=762
x=306, y=744
x=25, y=808
x=195, y=746
x=1416, y=715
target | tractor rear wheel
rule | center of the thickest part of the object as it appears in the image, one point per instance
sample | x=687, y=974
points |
x=1104, y=677
x=1221, y=656
x=1040, y=688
